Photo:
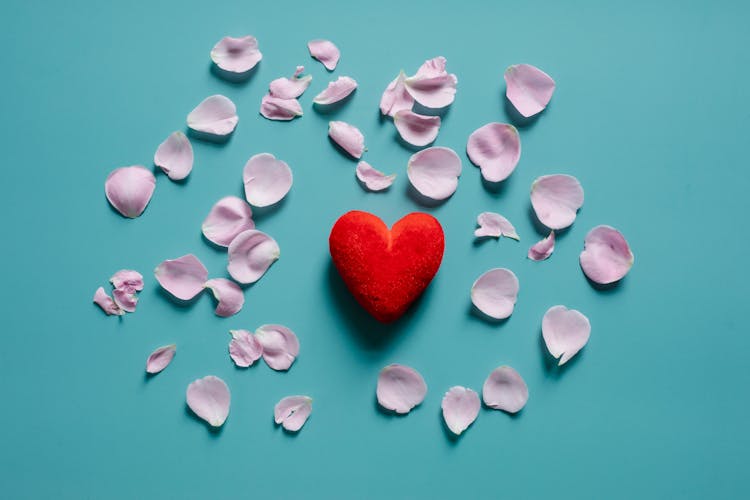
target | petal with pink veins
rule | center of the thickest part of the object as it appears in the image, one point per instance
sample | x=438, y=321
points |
x=276, y=108
x=215, y=115
x=326, y=52
x=183, y=277
x=434, y=172
x=290, y=88
x=348, y=137
x=292, y=412
x=495, y=148
x=127, y=300
x=209, y=398
x=494, y=225
x=160, y=358
x=175, y=156
x=556, y=199
x=228, y=217
x=395, y=97
x=400, y=388
x=418, y=130
x=495, y=293
x=106, y=303
x=267, y=180
x=460, y=408
x=228, y=294
x=565, y=331
x=251, y=253
x=505, y=390
x=129, y=189
x=237, y=55
x=244, y=348
x=280, y=346
x=336, y=91
x=542, y=249
x=432, y=86
x=528, y=88
x=606, y=255
x=373, y=179
x=127, y=279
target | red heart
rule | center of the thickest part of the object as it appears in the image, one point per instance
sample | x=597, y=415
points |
x=386, y=270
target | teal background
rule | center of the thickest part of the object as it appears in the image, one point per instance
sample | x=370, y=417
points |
x=650, y=113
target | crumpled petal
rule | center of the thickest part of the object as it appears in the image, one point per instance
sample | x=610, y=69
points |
x=267, y=180
x=505, y=390
x=348, y=137
x=160, y=358
x=606, y=255
x=275, y=108
x=129, y=189
x=565, y=332
x=237, y=55
x=395, y=97
x=244, y=348
x=126, y=300
x=106, y=303
x=419, y=130
x=373, y=179
x=251, y=253
x=434, y=172
x=460, y=408
x=182, y=277
x=495, y=293
x=280, y=346
x=215, y=115
x=228, y=217
x=542, y=249
x=290, y=88
x=128, y=280
x=292, y=412
x=175, y=156
x=326, y=52
x=528, y=88
x=336, y=91
x=209, y=398
x=432, y=86
x=556, y=199
x=400, y=388
x=228, y=294
x=494, y=226
x=495, y=148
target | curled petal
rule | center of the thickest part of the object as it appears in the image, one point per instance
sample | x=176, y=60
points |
x=494, y=225
x=606, y=255
x=237, y=55
x=432, y=86
x=460, y=408
x=348, y=137
x=565, y=332
x=182, y=277
x=495, y=293
x=505, y=390
x=129, y=189
x=336, y=91
x=106, y=303
x=128, y=280
x=228, y=294
x=434, y=172
x=326, y=52
x=280, y=346
x=373, y=179
x=127, y=300
x=396, y=97
x=292, y=412
x=290, y=88
x=175, y=156
x=251, y=253
x=228, y=217
x=267, y=180
x=542, y=249
x=400, y=388
x=495, y=148
x=276, y=108
x=415, y=129
x=216, y=115
x=160, y=358
x=556, y=200
x=209, y=398
x=244, y=348
x=528, y=88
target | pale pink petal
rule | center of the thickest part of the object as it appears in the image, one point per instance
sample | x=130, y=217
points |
x=434, y=172
x=160, y=358
x=395, y=97
x=373, y=179
x=106, y=303
x=175, y=156
x=505, y=390
x=216, y=115
x=292, y=412
x=494, y=225
x=326, y=52
x=127, y=300
x=237, y=55
x=229, y=217
x=336, y=91
x=565, y=332
x=276, y=108
x=228, y=294
x=290, y=88
x=280, y=346
x=244, y=348
x=127, y=279
x=415, y=129
x=182, y=277
x=495, y=293
x=528, y=88
x=348, y=137
x=556, y=200
x=495, y=148
x=209, y=398
x=460, y=408
x=129, y=189
x=251, y=253
x=606, y=255
x=432, y=86
x=400, y=388
x=267, y=180
x=542, y=249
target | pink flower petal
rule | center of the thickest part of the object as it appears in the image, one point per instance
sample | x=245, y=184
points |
x=415, y=129
x=374, y=180
x=326, y=52
x=292, y=412
x=244, y=348
x=556, y=200
x=276, y=108
x=336, y=91
x=267, y=180
x=460, y=408
x=280, y=346
x=606, y=255
x=290, y=88
x=400, y=388
x=216, y=115
x=542, y=249
x=495, y=148
x=251, y=253
x=228, y=217
x=175, y=156
x=505, y=390
x=237, y=55
x=495, y=293
x=129, y=189
x=528, y=88
x=160, y=358
x=565, y=332
x=209, y=398
x=348, y=137
x=494, y=225
x=125, y=299
x=395, y=97
x=106, y=303
x=182, y=277
x=228, y=294
x=432, y=86
x=434, y=172
x=127, y=279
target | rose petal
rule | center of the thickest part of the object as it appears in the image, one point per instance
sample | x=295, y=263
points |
x=396, y=97
x=528, y=88
x=290, y=88
x=275, y=108
x=106, y=303
x=129, y=189
x=175, y=156
x=160, y=358
x=495, y=293
x=460, y=408
x=209, y=398
x=415, y=129
x=505, y=390
x=228, y=294
x=128, y=280
x=125, y=299
x=495, y=148
x=565, y=332
x=182, y=277
x=494, y=225
x=244, y=348
x=556, y=200
x=336, y=91
x=228, y=217
x=606, y=255
x=280, y=346
x=251, y=253
x=292, y=412
x=348, y=137
x=400, y=388
x=237, y=55
x=216, y=115
x=434, y=172
x=267, y=180
x=432, y=86
x=326, y=52
x=374, y=180
x=542, y=249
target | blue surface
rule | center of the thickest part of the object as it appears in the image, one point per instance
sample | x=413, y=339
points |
x=650, y=114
